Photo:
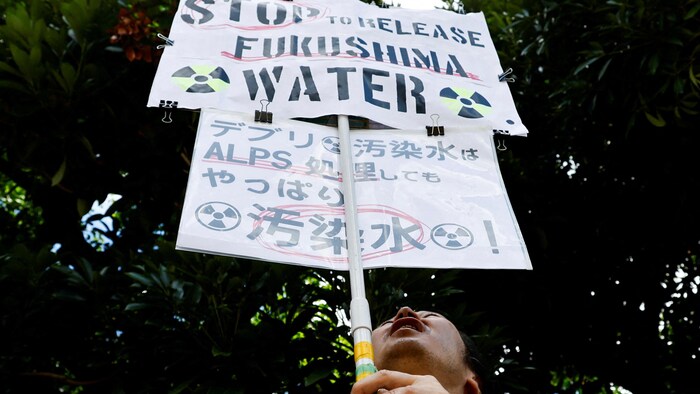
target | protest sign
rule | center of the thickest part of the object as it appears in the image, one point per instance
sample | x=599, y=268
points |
x=273, y=192
x=312, y=58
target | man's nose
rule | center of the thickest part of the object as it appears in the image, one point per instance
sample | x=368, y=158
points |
x=406, y=311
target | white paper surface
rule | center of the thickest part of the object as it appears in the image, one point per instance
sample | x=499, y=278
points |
x=313, y=58
x=273, y=192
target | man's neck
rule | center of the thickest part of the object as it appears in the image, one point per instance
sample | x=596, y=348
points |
x=451, y=379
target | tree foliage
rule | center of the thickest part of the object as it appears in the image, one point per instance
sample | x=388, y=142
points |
x=602, y=188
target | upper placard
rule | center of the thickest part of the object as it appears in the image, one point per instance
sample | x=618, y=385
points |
x=312, y=58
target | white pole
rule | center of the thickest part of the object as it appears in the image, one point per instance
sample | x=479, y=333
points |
x=359, y=307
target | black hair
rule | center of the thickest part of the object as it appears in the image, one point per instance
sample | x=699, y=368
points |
x=474, y=360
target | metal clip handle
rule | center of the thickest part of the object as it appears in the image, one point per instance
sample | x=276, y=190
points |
x=504, y=76
x=168, y=42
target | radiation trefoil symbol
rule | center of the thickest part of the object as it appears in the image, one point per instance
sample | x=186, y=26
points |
x=451, y=236
x=465, y=103
x=201, y=79
x=218, y=216
x=331, y=144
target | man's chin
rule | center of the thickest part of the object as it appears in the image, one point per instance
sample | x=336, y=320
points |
x=400, y=346
x=406, y=355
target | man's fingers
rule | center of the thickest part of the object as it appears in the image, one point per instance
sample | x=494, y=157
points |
x=398, y=382
x=387, y=380
x=393, y=380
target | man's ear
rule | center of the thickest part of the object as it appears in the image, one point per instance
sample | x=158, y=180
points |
x=471, y=385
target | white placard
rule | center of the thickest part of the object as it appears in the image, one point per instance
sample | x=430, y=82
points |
x=317, y=57
x=273, y=192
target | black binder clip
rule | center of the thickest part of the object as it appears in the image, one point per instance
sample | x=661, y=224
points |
x=505, y=77
x=262, y=115
x=167, y=105
x=500, y=140
x=168, y=42
x=435, y=130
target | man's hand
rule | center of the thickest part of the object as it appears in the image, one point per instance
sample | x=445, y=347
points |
x=397, y=383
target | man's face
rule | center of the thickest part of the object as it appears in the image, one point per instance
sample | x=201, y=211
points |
x=412, y=341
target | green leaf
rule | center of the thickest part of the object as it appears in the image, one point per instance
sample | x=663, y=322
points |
x=604, y=69
x=137, y=306
x=21, y=59
x=18, y=25
x=657, y=121
x=654, y=63
x=58, y=176
x=79, y=15
x=38, y=28
x=83, y=206
x=690, y=14
x=35, y=62
x=315, y=376
x=76, y=17
x=585, y=64
x=217, y=352
x=140, y=278
x=693, y=78
x=66, y=78
x=88, y=146
x=66, y=295
x=56, y=40
x=11, y=85
x=164, y=277
x=9, y=69
x=182, y=387
x=88, y=272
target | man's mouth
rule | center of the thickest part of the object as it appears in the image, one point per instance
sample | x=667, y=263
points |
x=407, y=323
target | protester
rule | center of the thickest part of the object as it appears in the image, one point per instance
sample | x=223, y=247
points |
x=421, y=352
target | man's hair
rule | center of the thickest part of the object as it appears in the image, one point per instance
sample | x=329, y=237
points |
x=474, y=360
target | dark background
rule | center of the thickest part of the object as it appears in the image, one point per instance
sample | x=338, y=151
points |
x=603, y=187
